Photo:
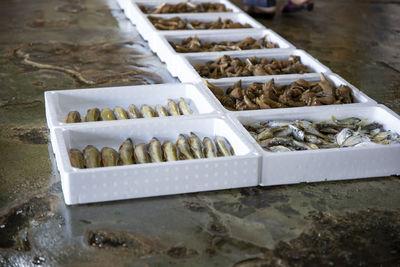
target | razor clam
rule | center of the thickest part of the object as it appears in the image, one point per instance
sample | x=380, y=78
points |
x=133, y=112
x=172, y=108
x=92, y=114
x=109, y=157
x=183, y=148
x=146, y=111
x=107, y=115
x=140, y=154
x=155, y=152
x=169, y=150
x=73, y=116
x=209, y=150
x=76, y=158
x=183, y=107
x=92, y=157
x=161, y=111
x=120, y=113
x=195, y=146
x=126, y=152
x=222, y=147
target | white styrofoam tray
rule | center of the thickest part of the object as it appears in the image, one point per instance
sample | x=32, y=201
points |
x=155, y=4
x=165, y=51
x=187, y=73
x=58, y=103
x=149, y=32
x=153, y=179
x=326, y=164
x=358, y=96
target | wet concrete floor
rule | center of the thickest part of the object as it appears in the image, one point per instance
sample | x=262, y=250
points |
x=63, y=44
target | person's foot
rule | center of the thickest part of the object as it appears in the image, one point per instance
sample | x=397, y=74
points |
x=292, y=7
x=258, y=11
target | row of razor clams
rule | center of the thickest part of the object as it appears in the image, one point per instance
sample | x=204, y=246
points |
x=286, y=136
x=132, y=112
x=185, y=148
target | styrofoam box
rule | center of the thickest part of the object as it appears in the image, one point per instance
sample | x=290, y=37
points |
x=358, y=96
x=187, y=73
x=153, y=179
x=149, y=32
x=327, y=164
x=165, y=51
x=155, y=4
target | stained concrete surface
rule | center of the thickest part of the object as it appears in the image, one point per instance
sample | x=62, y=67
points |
x=88, y=44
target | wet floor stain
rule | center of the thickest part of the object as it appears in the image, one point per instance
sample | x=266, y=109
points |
x=37, y=136
x=261, y=197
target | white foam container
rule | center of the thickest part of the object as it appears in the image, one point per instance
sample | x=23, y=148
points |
x=358, y=96
x=150, y=33
x=155, y=4
x=166, y=52
x=153, y=179
x=58, y=103
x=326, y=164
x=187, y=73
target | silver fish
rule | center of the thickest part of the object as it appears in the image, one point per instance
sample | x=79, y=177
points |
x=343, y=135
x=155, y=150
x=195, y=146
x=140, y=154
x=183, y=148
x=279, y=149
x=297, y=133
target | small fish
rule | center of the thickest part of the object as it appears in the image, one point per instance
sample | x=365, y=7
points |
x=195, y=146
x=209, y=150
x=140, y=154
x=126, y=152
x=343, y=135
x=297, y=133
x=146, y=111
x=92, y=157
x=109, y=157
x=278, y=123
x=279, y=149
x=133, y=112
x=169, y=151
x=183, y=107
x=347, y=122
x=107, y=115
x=161, y=111
x=155, y=150
x=222, y=147
x=313, y=139
x=282, y=131
x=308, y=127
x=283, y=141
x=354, y=140
x=73, y=117
x=76, y=158
x=267, y=133
x=120, y=113
x=92, y=114
x=183, y=148
x=172, y=108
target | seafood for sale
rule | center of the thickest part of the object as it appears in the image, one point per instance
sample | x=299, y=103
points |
x=185, y=7
x=186, y=148
x=284, y=136
x=177, y=23
x=269, y=95
x=194, y=44
x=226, y=66
x=118, y=113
